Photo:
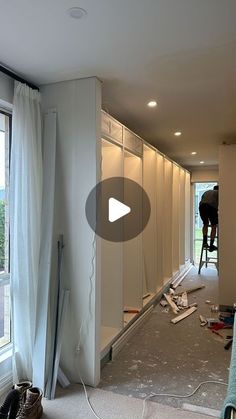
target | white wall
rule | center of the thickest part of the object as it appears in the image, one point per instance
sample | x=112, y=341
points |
x=227, y=224
x=200, y=174
x=78, y=104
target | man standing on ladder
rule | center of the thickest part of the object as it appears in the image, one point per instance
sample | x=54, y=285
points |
x=208, y=209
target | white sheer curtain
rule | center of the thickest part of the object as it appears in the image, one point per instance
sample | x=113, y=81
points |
x=25, y=224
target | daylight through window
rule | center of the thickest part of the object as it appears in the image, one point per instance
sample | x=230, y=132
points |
x=4, y=231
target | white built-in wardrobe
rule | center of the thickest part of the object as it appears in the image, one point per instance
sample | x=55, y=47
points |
x=135, y=271
x=108, y=280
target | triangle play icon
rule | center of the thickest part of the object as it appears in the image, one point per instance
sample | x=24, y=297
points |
x=117, y=210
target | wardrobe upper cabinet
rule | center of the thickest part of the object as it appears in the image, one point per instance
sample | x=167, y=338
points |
x=132, y=142
x=111, y=128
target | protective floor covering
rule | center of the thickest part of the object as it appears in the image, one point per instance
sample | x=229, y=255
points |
x=167, y=358
x=71, y=404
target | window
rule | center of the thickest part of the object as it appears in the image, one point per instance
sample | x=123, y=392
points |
x=5, y=333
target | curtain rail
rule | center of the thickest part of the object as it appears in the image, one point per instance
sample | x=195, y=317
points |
x=15, y=76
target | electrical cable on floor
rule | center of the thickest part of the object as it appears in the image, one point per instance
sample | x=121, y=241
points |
x=82, y=323
x=87, y=400
x=177, y=396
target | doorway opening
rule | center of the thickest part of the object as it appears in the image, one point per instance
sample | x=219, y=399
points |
x=199, y=189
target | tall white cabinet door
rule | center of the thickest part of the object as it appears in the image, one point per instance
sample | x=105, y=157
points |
x=182, y=218
x=187, y=216
x=159, y=219
x=150, y=232
x=111, y=258
x=167, y=220
x=133, y=287
x=175, y=218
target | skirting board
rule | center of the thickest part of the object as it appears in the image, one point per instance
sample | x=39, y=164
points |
x=117, y=346
x=179, y=277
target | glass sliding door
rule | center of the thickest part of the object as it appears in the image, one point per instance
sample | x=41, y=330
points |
x=199, y=189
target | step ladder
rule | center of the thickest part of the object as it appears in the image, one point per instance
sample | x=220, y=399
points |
x=208, y=259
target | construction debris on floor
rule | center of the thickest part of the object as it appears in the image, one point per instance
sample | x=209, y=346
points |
x=162, y=357
x=179, y=301
x=219, y=323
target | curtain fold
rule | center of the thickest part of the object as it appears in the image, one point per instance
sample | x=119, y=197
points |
x=43, y=345
x=25, y=224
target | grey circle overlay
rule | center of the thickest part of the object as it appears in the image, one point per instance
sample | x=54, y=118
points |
x=129, y=193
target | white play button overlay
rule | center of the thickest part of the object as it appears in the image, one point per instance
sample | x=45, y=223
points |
x=117, y=210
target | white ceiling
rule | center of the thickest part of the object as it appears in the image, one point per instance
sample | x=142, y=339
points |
x=180, y=52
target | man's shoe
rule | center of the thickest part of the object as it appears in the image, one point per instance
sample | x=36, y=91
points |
x=212, y=248
x=10, y=406
x=32, y=407
x=22, y=387
x=205, y=246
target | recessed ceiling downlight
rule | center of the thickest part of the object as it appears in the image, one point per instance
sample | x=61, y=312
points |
x=193, y=153
x=152, y=104
x=202, y=162
x=178, y=133
x=76, y=12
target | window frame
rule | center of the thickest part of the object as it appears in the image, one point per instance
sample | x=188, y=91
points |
x=5, y=277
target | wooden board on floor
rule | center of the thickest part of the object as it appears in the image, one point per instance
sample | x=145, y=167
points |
x=184, y=315
x=171, y=303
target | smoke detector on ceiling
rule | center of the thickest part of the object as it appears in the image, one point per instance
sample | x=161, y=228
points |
x=77, y=12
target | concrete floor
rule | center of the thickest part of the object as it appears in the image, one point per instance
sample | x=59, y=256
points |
x=168, y=358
